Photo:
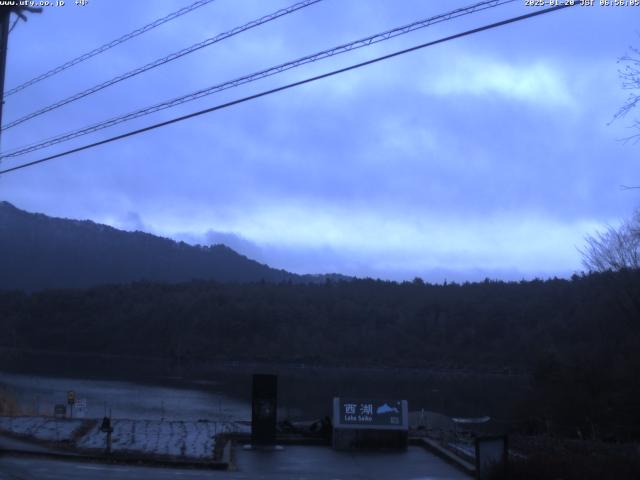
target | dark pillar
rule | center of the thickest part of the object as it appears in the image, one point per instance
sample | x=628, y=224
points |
x=264, y=409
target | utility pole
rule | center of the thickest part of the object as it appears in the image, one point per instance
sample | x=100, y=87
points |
x=5, y=17
x=5, y=14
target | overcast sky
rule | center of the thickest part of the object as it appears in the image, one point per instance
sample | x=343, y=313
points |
x=487, y=156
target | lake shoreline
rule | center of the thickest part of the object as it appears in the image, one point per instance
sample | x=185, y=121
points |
x=34, y=361
x=304, y=390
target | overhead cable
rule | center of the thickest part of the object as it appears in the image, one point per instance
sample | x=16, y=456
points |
x=161, y=61
x=347, y=47
x=535, y=13
x=107, y=46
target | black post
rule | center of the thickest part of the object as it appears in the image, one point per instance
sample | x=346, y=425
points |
x=108, y=429
x=264, y=409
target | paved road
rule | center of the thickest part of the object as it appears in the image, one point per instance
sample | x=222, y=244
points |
x=22, y=468
x=293, y=463
x=315, y=463
x=13, y=444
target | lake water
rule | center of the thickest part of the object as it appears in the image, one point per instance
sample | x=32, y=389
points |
x=125, y=399
x=148, y=389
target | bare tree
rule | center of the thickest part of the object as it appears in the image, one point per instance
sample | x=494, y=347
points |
x=615, y=248
x=629, y=74
x=619, y=248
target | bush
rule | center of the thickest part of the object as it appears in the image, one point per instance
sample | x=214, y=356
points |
x=572, y=466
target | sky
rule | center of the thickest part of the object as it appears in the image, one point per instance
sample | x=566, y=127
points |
x=491, y=156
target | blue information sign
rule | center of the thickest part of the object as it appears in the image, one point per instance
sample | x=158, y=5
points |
x=387, y=413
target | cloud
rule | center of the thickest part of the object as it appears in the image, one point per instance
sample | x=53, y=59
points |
x=232, y=240
x=538, y=84
x=132, y=221
x=309, y=238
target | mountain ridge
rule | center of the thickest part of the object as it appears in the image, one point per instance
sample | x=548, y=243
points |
x=42, y=252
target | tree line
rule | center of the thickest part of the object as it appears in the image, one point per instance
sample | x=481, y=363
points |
x=577, y=338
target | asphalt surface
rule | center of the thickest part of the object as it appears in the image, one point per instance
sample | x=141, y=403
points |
x=299, y=463
x=13, y=444
x=314, y=463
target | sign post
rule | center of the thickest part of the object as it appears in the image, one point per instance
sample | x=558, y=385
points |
x=370, y=423
x=108, y=429
x=71, y=400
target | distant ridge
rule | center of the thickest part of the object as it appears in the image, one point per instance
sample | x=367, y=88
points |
x=40, y=252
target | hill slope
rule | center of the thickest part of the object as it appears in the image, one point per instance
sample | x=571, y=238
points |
x=38, y=252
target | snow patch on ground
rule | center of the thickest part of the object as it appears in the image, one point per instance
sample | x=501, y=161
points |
x=167, y=438
x=183, y=439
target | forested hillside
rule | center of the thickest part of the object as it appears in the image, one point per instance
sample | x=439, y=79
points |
x=38, y=252
x=578, y=338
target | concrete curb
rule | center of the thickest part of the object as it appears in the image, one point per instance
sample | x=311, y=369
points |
x=284, y=439
x=116, y=459
x=446, y=455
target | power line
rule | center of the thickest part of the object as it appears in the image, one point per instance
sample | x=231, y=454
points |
x=161, y=61
x=289, y=86
x=107, y=46
x=363, y=42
